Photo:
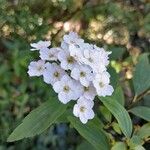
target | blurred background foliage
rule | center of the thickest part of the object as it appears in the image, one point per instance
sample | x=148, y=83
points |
x=122, y=26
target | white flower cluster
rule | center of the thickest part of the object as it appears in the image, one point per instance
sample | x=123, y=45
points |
x=76, y=70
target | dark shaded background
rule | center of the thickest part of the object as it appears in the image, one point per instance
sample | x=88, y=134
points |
x=122, y=26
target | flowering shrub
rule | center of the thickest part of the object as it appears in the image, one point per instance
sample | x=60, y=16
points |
x=76, y=70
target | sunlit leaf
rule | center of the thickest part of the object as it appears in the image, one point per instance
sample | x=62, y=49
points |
x=144, y=131
x=119, y=146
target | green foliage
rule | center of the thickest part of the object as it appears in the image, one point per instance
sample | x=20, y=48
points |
x=119, y=146
x=85, y=145
x=141, y=80
x=38, y=120
x=120, y=114
x=106, y=113
x=118, y=95
x=141, y=111
x=91, y=133
x=144, y=131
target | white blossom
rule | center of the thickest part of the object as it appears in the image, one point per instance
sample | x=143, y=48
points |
x=101, y=83
x=41, y=45
x=104, y=59
x=76, y=52
x=93, y=59
x=66, y=61
x=89, y=92
x=76, y=70
x=53, y=73
x=72, y=38
x=36, y=68
x=49, y=54
x=83, y=74
x=83, y=109
x=67, y=89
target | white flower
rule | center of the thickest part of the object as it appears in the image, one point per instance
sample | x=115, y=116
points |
x=66, y=61
x=83, y=74
x=36, y=68
x=64, y=45
x=76, y=52
x=93, y=59
x=41, y=45
x=72, y=38
x=104, y=59
x=49, y=54
x=101, y=83
x=53, y=73
x=83, y=109
x=89, y=92
x=67, y=89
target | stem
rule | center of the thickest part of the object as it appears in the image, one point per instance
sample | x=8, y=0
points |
x=137, y=98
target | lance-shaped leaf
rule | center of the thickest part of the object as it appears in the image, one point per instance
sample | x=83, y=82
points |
x=38, y=120
x=91, y=133
x=141, y=111
x=119, y=113
x=141, y=78
x=118, y=95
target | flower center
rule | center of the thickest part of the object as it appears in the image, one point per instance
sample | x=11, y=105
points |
x=39, y=68
x=70, y=60
x=86, y=89
x=90, y=59
x=50, y=55
x=72, y=42
x=66, y=88
x=82, y=109
x=56, y=74
x=82, y=74
x=101, y=84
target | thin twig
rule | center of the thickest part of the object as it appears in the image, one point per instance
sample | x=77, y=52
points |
x=136, y=98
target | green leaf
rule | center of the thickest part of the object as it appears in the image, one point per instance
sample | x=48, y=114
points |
x=142, y=112
x=114, y=78
x=141, y=78
x=106, y=113
x=135, y=141
x=120, y=114
x=144, y=131
x=140, y=136
x=119, y=146
x=38, y=120
x=117, y=52
x=63, y=118
x=139, y=147
x=116, y=127
x=118, y=95
x=85, y=146
x=91, y=133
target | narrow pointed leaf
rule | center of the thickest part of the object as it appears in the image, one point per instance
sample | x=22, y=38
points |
x=91, y=133
x=118, y=95
x=142, y=112
x=120, y=114
x=38, y=120
x=141, y=78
